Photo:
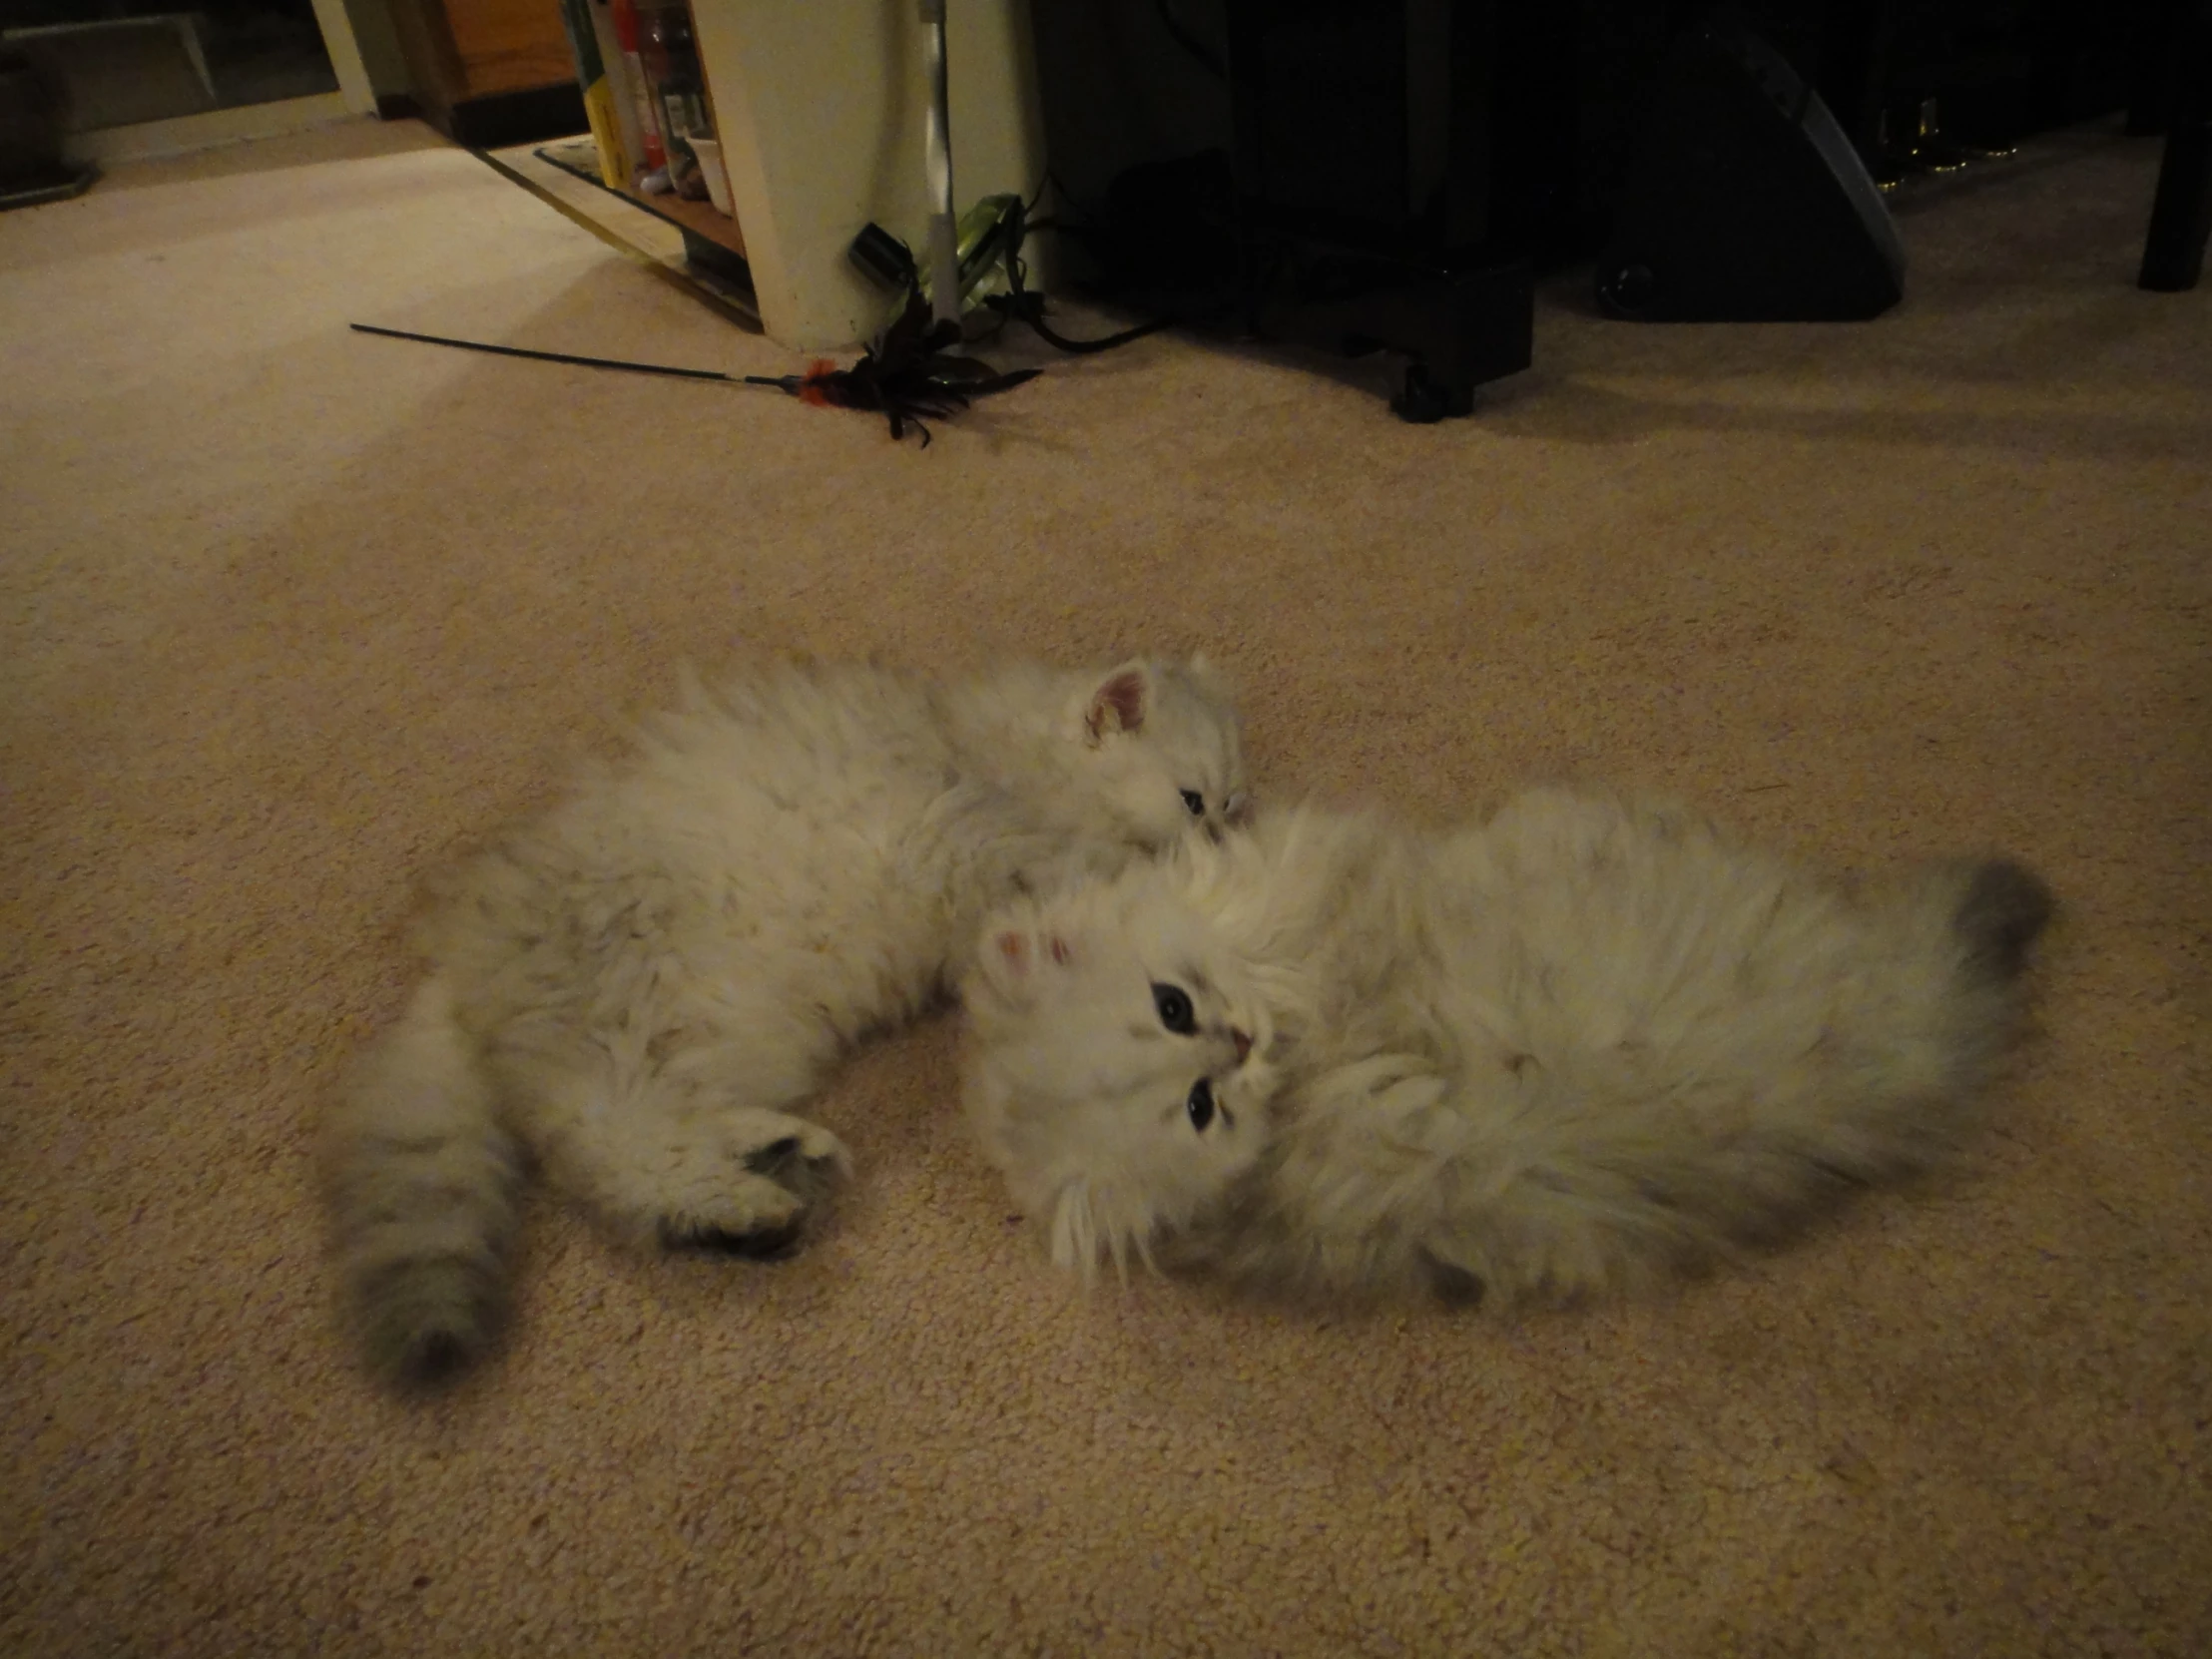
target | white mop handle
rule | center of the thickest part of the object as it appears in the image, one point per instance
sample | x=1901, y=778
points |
x=945, y=236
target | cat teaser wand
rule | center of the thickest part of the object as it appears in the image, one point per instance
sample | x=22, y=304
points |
x=906, y=375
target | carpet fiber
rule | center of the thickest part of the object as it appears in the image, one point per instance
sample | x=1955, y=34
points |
x=289, y=612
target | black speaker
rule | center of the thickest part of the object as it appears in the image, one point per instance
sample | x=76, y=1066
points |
x=1744, y=202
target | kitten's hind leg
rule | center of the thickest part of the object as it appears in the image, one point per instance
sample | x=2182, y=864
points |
x=683, y=1161
x=748, y=1186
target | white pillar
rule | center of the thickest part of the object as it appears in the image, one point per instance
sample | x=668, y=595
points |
x=820, y=108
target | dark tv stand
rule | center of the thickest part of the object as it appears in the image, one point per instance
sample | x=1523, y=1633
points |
x=1455, y=327
x=1351, y=176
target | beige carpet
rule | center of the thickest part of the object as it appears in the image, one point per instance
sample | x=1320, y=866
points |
x=289, y=611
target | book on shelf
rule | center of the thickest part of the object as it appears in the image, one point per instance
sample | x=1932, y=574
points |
x=601, y=107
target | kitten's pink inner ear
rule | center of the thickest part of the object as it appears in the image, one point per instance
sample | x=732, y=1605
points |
x=1118, y=705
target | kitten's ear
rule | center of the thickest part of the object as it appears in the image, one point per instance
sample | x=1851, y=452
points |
x=1119, y=703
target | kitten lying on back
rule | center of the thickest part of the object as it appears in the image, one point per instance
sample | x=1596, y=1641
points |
x=1588, y=1042
x=639, y=986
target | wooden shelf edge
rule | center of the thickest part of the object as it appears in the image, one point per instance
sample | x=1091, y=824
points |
x=699, y=217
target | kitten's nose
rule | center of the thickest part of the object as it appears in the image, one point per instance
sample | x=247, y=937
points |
x=1242, y=1043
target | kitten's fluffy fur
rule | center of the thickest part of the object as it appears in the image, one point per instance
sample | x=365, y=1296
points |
x=639, y=986
x=1591, y=1040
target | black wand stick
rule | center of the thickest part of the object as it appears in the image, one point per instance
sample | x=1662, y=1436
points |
x=571, y=357
x=910, y=372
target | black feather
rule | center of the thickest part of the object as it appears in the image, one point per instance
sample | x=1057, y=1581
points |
x=907, y=373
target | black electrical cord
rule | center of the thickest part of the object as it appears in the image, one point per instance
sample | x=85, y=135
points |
x=1202, y=53
x=1023, y=306
x=890, y=260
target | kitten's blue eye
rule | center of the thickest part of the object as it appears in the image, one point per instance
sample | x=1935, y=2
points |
x=1195, y=801
x=1201, y=1104
x=1175, y=1010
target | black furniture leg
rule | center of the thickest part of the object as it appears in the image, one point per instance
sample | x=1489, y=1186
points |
x=2181, y=213
x=1855, y=54
x=1457, y=329
x=2150, y=39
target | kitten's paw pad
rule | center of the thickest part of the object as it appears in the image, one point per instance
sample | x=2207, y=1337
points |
x=773, y=1156
x=807, y=1145
x=766, y=1244
x=752, y=1216
x=750, y=1191
x=1451, y=1284
x=803, y=1158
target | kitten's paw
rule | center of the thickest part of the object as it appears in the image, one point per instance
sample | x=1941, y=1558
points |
x=771, y=1171
x=806, y=1162
x=754, y=1216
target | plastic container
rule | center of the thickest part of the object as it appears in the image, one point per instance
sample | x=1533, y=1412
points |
x=678, y=90
x=627, y=36
x=708, y=152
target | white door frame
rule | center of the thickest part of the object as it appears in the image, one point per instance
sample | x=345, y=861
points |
x=345, y=56
x=148, y=139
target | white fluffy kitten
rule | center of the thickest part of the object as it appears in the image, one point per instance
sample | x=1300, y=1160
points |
x=638, y=986
x=1592, y=1039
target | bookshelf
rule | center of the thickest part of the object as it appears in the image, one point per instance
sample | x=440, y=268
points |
x=818, y=112
x=696, y=218
x=612, y=87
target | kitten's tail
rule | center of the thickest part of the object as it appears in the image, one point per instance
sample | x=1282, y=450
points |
x=420, y=1179
x=1880, y=1079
